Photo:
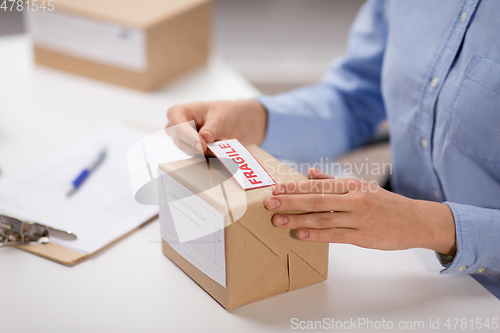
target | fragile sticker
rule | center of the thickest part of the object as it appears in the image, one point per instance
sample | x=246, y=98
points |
x=250, y=173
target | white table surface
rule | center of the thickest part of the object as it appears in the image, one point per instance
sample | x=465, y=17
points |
x=130, y=286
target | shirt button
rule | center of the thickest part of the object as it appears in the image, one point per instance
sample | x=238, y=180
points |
x=481, y=270
x=434, y=82
x=424, y=143
x=436, y=195
x=461, y=268
x=463, y=16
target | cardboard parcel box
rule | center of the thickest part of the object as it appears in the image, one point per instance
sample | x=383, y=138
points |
x=137, y=44
x=223, y=237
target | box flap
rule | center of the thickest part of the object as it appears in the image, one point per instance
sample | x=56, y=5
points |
x=281, y=241
x=301, y=273
x=254, y=271
x=257, y=220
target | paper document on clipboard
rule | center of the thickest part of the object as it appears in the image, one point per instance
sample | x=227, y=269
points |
x=103, y=209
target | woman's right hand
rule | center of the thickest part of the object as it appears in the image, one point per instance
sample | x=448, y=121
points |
x=245, y=120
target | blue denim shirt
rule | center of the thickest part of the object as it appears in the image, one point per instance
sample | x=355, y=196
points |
x=433, y=69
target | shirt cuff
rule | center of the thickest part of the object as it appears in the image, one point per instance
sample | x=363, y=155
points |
x=277, y=124
x=308, y=123
x=477, y=230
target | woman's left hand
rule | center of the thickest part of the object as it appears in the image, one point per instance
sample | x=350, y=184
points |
x=357, y=212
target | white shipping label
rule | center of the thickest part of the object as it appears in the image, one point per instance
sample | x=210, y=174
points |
x=250, y=173
x=193, y=228
x=89, y=39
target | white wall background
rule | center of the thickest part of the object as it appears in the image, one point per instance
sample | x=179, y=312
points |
x=282, y=43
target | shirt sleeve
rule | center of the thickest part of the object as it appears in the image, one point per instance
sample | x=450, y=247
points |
x=478, y=248
x=344, y=109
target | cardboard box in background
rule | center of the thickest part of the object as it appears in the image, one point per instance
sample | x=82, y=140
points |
x=134, y=43
x=247, y=260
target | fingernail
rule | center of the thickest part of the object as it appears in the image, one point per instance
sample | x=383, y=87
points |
x=273, y=203
x=278, y=189
x=198, y=146
x=302, y=233
x=280, y=220
x=209, y=136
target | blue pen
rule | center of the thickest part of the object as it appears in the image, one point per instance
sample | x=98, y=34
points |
x=86, y=172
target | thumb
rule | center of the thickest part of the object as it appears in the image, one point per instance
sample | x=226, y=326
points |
x=314, y=173
x=210, y=129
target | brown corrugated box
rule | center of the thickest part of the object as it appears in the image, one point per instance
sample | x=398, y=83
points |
x=177, y=34
x=261, y=260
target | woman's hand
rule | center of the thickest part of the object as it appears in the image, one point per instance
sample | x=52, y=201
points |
x=350, y=211
x=245, y=120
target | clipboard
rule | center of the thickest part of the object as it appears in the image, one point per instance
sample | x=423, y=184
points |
x=66, y=256
x=64, y=252
x=35, y=237
x=55, y=253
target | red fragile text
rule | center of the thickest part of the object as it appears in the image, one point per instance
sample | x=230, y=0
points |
x=247, y=171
